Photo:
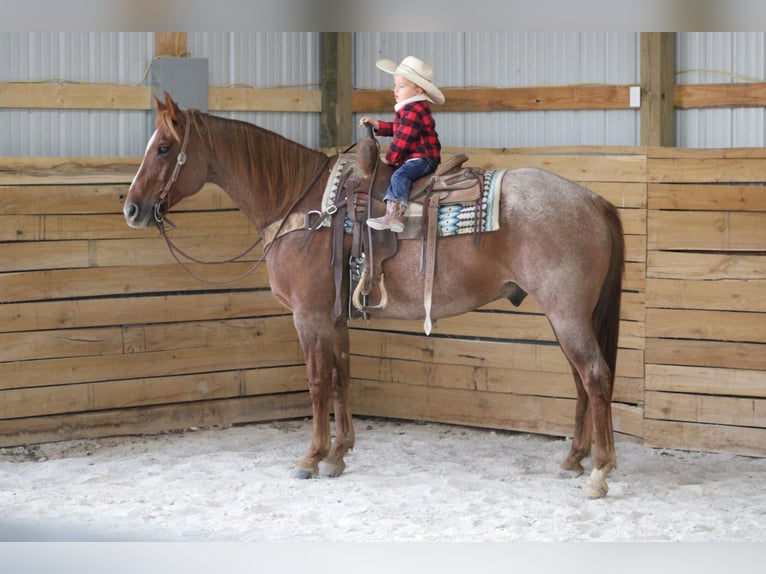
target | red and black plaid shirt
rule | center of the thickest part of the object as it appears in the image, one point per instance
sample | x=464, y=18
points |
x=414, y=134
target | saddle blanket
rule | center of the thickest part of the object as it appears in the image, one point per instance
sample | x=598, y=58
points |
x=454, y=219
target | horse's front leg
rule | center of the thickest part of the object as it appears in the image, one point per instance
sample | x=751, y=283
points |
x=317, y=349
x=334, y=464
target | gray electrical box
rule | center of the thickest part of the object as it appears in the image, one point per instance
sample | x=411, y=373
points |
x=185, y=79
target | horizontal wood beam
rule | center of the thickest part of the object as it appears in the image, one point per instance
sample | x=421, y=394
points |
x=720, y=95
x=594, y=97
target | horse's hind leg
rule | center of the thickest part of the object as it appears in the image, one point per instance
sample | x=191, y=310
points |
x=333, y=464
x=579, y=344
x=582, y=438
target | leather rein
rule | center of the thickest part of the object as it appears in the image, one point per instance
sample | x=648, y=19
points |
x=177, y=252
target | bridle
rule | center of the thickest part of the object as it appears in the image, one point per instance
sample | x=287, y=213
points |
x=159, y=217
x=175, y=251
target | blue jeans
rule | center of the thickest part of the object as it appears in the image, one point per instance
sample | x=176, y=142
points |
x=402, y=178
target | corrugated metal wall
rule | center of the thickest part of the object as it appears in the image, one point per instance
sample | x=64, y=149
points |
x=720, y=57
x=92, y=57
x=265, y=60
x=515, y=59
x=461, y=59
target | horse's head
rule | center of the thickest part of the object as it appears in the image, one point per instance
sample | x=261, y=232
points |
x=172, y=167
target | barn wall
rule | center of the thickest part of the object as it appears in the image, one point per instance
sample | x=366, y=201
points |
x=461, y=59
x=102, y=333
x=705, y=301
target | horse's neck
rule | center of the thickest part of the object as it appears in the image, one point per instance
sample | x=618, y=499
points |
x=261, y=172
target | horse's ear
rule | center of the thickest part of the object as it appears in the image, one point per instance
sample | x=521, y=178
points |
x=175, y=113
x=158, y=104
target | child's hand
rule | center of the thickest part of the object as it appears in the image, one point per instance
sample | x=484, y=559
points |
x=368, y=120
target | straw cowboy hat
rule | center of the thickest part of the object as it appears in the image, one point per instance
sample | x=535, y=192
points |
x=417, y=72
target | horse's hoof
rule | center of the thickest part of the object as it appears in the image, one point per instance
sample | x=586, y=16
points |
x=332, y=469
x=571, y=469
x=596, y=486
x=595, y=492
x=303, y=473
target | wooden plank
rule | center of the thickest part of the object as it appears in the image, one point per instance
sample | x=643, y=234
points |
x=25, y=95
x=707, y=197
x=625, y=195
x=707, y=325
x=99, y=198
x=723, y=294
x=112, y=340
x=111, y=281
x=536, y=414
x=706, y=381
x=544, y=415
x=705, y=231
x=635, y=253
x=705, y=170
x=497, y=380
x=39, y=255
x=707, y=409
x=251, y=99
x=113, y=226
x=132, y=393
x=207, y=334
x=705, y=437
x=583, y=97
x=576, y=167
x=123, y=97
x=79, y=313
x=64, y=343
x=725, y=354
x=70, y=171
x=84, y=369
x=739, y=95
x=710, y=266
x=698, y=154
x=154, y=419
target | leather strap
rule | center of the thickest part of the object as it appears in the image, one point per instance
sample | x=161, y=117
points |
x=430, y=248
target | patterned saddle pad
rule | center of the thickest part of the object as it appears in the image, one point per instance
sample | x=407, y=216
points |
x=454, y=219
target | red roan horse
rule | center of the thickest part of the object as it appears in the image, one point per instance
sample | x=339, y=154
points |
x=557, y=241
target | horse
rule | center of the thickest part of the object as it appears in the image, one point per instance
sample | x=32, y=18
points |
x=558, y=242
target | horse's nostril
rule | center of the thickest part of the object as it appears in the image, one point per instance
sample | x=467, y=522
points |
x=131, y=211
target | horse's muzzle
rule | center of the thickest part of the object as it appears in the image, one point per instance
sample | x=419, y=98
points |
x=136, y=217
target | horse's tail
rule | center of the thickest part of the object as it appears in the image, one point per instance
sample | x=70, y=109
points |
x=606, y=315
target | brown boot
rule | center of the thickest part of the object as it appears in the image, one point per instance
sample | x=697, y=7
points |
x=393, y=219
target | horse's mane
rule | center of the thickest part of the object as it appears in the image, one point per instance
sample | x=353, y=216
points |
x=269, y=163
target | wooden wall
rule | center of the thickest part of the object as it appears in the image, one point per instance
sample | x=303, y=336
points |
x=706, y=300
x=102, y=333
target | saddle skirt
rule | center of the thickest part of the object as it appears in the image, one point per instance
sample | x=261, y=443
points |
x=455, y=217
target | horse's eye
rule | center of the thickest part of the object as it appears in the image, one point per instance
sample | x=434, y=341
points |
x=163, y=149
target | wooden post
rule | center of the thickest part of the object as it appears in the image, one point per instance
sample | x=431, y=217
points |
x=336, y=89
x=657, y=88
x=170, y=44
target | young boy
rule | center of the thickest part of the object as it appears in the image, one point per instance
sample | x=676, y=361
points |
x=415, y=149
